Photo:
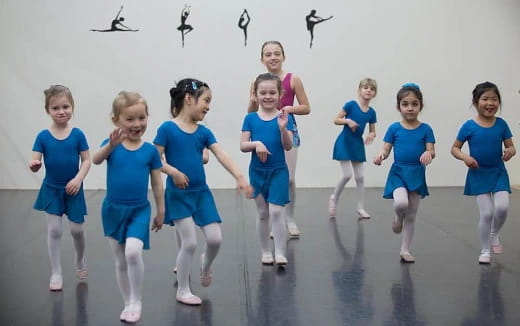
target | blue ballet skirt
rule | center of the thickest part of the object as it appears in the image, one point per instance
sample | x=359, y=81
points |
x=349, y=147
x=127, y=220
x=409, y=176
x=55, y=201
x=485, y=180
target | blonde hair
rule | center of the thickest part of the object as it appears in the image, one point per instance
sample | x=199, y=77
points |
x=56, y=90
x=368, y=82
x=125, y=99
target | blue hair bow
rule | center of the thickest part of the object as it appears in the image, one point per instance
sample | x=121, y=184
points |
x=413, y=85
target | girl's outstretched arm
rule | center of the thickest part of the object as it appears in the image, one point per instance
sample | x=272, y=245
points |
x=509, y=150
x=179, y=179
x=383, y=154
x=303, y=106
x=232, y=168
x=456, y=151
x=36, y=161
x=158, y=194
x=116, y=137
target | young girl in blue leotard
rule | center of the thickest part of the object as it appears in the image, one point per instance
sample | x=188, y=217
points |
x=487, y=177
x=413, y=144
x=62, y=147
x=189, y=202
x=126, y=211
x=349, y=148
x=267, y=134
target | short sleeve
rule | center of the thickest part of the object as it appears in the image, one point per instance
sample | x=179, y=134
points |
x=161, y=136
x=209, y=138
x=155, y=161
x=463, y=133
x=83, y=144
x=373, y=116
x=38, y=143
x=390, y=134
x=507, y=132
x=430, y=137
x=246, y=125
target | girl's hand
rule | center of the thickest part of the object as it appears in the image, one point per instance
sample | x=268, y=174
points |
x=244, y=187
x=379, y=158
x=116, y=137
x=369, y=139
x=262, y=152
x=158, y=221
x=283, y=119
x=180, y=180
x=508, y=153
x=471, y=162
x=426, y=158
x=73, y=186
x=35, y=165
x=353, y=125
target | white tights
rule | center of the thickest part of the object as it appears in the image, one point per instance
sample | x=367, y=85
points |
x=185, y=229
x=291, y=157
x=405, y=207
x=129, y=270
x=268, y=212
x=359, y=175
x=54, y=232
x=493, y=212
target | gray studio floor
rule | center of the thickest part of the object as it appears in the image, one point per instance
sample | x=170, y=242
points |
x=340, y=272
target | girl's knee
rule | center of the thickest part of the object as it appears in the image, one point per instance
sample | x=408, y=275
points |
x=54, y=232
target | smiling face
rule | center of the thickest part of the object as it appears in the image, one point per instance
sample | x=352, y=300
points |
x=133, y=120
x=410, y=106
x=199, y=107
x=268, y=94
x=60, y=109
x=273, y=57
x=488, y=104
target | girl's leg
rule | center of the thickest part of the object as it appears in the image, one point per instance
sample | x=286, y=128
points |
x=213, y=235
x=78, y=236
x=134, y=261
x=346, y=167
x=118, y=250
x=400, y=208
x=263, y=229
x=178, y=242
x=359, y=176
x=186, y=230
x=409, y=222
x=485, y=205
x=279, y=233
x=499, y=217
x=291, y=157
x=54, y=231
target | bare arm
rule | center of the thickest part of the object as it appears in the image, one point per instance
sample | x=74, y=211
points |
x=179, y=178
x=303, y=106
x=253, y=102
x=509, y=150
x=383, y=154
x=231, y=167
x=158, y=194
x=456, y=151
x=246, y=145
x=428, y=155
x=371, y=134
x=36, y=161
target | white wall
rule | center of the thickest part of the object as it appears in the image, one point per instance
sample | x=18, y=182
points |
x=445, y=46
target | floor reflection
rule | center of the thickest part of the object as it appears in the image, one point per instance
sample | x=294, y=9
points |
x=490, y=304
x=194, y=315
x=403, y=300
x=81, y=304
x=354, y=306
x=57, y=308
x=275, y=302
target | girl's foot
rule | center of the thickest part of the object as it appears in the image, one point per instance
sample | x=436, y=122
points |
x=267, y=258
x=82, y=274
x=280, y=260
x=293, y=230
x=406, y=257
x=205, y=278
x=363, y=213
x=332, y=206
x=496, y=246
x=56, y=283
x=134, y=313
x=189, y=299
x=122, y=316
x=484, y=259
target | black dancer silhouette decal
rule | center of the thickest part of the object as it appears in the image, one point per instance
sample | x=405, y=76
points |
x=117, y=25
x=183, y=27
x=312, y=19
x=243, y=22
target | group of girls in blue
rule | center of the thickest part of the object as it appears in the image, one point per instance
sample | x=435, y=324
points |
x=270, y=134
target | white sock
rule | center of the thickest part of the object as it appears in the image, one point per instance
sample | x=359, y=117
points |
x=279, y=229
x=54, y=232
x=186, y=229
x=213, y=236
x=291, y=157
x=78, y=236
x=134, y=261
x=262, y=224
x=485, y=205
x=118, y=251
x=500, y=214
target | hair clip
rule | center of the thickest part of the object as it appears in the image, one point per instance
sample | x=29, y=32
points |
x=413, y=85
x=194, y=85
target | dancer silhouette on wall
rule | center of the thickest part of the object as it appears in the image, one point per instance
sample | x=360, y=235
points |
x=183, y=27
x=117, y=25
x=243, y=22
x=312, y=19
